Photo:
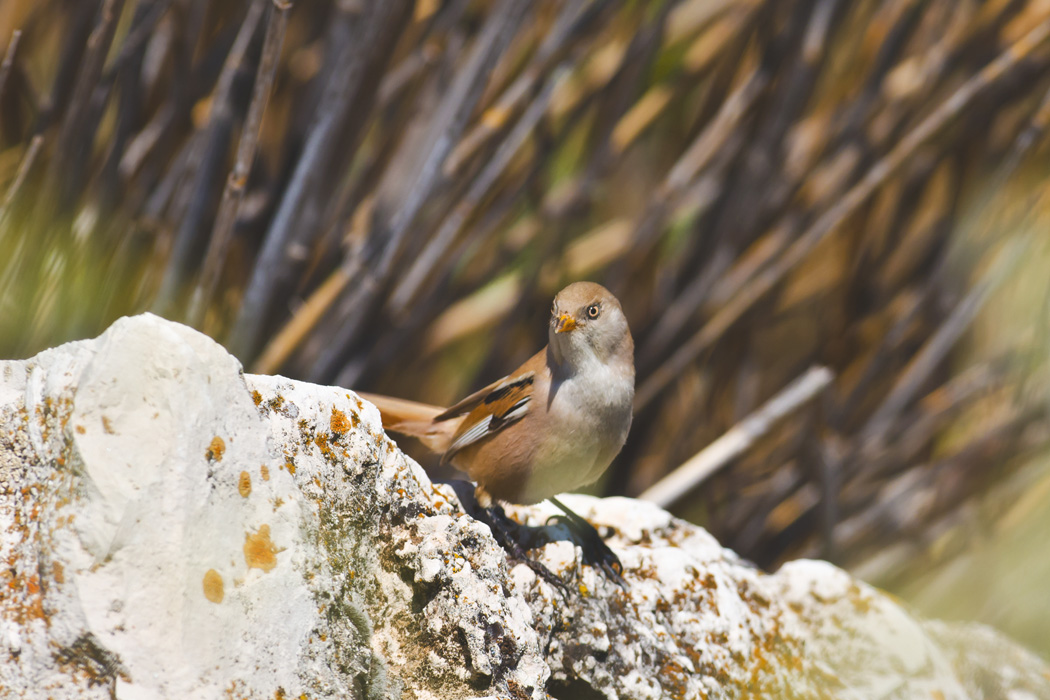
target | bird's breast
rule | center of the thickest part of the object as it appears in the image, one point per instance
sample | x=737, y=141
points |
x=589, y=421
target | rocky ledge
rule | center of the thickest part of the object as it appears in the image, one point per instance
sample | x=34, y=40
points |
x=172, y=527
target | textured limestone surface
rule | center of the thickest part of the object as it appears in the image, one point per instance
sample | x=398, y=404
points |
x=171, y=527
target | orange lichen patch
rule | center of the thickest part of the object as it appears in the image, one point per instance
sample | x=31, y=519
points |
x=257, y=397
x=81, y=429
x=339, y=422
x=213, y=586
x=259, y=550
x=58, y=572
x=326, y=449
x=244, y=484
x=265, y=472
x=673, y=679
x=290, y=466
x=235, y=690
x=22, y=598
x=216, y=449
x=108, y=426
x=861, y=602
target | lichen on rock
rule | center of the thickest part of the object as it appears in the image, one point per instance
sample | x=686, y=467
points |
x=172, y=527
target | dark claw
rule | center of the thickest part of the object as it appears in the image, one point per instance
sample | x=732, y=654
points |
x=504, y=529
x=595, y=551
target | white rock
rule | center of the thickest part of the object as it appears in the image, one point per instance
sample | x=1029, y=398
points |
x=170, y=527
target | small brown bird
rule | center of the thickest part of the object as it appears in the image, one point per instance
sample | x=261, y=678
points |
x=551, y=426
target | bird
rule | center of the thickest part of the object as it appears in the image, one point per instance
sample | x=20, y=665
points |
x=552, y=425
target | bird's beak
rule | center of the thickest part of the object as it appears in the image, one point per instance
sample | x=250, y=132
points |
x=564, y=323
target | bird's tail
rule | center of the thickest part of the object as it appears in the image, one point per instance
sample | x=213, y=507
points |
x=415, y=419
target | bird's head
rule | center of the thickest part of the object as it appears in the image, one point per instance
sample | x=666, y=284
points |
x=587, y=324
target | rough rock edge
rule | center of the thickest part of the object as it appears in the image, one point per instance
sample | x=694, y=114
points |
x=174, y=528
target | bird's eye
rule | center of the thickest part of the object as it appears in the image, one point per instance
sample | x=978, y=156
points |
x=554, y=309
x=594, y=311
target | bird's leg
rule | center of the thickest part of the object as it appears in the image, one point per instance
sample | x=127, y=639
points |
x=504, y=530
x=594, y=548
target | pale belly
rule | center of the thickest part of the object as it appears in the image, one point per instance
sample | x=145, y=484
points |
x=586, y=443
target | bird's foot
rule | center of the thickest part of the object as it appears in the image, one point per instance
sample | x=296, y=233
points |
x=595, y=551
x=505, y=531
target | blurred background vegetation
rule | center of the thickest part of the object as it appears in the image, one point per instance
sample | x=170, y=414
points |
x=386, y=195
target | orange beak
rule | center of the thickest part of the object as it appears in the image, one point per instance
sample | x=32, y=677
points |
x=564, y=324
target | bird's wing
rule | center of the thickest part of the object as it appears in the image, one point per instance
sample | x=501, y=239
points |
x=495, y=407
x=483, y=413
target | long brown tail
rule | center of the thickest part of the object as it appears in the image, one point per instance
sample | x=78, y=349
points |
x=415, y=419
